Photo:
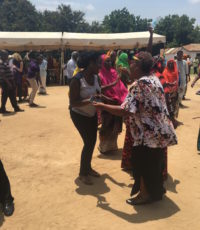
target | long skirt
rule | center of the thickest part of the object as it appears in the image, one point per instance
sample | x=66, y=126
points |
x=175, y=104
x=109, y=131
x=126, y=163
x=148, y=163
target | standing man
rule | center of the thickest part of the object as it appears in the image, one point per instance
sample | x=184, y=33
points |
x=43, y=75
x=7, y=84
x=71, y=66
x=183, y=72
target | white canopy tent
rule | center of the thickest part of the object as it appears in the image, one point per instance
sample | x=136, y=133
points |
x=21, y=41
x=80, y=41
x=25, y=41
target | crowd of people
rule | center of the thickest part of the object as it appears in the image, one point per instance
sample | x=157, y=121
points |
x=101, y=98
x=15, y=76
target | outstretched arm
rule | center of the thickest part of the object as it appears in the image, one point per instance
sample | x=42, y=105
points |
x=150, y=44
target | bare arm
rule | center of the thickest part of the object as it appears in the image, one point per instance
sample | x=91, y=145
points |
x=150, y=44
x=113, y=109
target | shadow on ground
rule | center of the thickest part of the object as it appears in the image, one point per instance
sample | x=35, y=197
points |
x=144, y=213
x=171, y=184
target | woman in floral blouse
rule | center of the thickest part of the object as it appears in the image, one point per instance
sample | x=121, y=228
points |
x=150, y=127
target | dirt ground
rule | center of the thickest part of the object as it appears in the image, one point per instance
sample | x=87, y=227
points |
x=40, y=149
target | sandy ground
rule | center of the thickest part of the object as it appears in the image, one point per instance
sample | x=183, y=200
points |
x=41, y=149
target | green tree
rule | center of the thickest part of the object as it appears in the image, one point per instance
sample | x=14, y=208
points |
x=96, y=27
x=119, y=21
x=18, y=15
x=179, y=30
x=64, y=19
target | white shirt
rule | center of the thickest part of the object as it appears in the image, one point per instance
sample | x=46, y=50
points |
x=71, y=66
x=43, y=68
x=86, y=92
x=183, y=71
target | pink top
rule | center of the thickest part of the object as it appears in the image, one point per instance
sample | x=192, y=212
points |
x=117, y=92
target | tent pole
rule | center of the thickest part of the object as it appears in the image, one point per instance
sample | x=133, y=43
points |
x=62, y=80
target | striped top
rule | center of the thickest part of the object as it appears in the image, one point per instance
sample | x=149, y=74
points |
x=5, y=71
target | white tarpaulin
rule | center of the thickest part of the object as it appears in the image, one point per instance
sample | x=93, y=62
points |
x=77, y=41
x=19, y=41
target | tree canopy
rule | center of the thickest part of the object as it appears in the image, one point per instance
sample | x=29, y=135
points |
x=179, y=30
x=21, y=15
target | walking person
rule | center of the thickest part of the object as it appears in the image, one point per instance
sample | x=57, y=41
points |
x=150, y=127
x=43, y=75
x=183, y=73
x=83, y=87
x=17, y=66
x=7, y=84
x=34, y=76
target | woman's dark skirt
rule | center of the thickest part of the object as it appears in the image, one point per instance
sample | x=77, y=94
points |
x=149, y=164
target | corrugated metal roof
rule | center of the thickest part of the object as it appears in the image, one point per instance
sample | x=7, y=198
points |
x=172, y=50
x=192, y=47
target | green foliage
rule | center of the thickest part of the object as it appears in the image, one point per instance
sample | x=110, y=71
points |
x=119, y=21
x=179, y=30
x=18, y=15
x=21, y=15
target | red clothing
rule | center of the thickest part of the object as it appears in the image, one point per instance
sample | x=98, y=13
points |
x=170, y=74
x=162, y=81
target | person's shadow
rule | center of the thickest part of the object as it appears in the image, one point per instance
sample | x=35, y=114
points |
x=155, y=211
x=98, y=189
x=171, y=184
x=158, y=210
x=9, y=114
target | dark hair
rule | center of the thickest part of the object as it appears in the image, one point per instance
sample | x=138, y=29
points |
x=86, y=57
x=33, y=55
x=146, y=61
x=3, y=53
x=180, y=51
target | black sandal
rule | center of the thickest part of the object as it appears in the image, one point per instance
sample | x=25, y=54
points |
x=139, y=200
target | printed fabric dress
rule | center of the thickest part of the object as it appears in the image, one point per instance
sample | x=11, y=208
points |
x=150, y=124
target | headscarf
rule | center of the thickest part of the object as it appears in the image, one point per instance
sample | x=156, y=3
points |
x=171, y=75
x=158, y=67
x=122, y=61
x=117, y=92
